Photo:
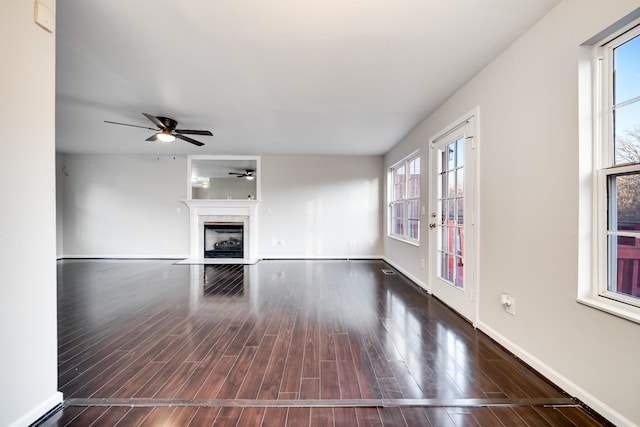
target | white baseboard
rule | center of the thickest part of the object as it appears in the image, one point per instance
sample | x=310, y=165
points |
x=413, y=278
x=555, y=377
x=114, y=256
x=322, y=257
x=37, y=412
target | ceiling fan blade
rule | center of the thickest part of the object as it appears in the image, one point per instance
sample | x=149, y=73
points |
x=191, y=140
x=155, y=120
x=127, y=124
x=153, y=137
x=193, y=132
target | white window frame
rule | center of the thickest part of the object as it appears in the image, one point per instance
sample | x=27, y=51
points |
x=404, y=200
x=593, y=286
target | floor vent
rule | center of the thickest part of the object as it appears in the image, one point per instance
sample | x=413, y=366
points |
x=388, y=272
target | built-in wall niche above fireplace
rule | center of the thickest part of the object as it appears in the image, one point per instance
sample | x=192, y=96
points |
x=224, y=177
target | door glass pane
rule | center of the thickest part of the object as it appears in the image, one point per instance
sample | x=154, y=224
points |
x=451, y=212
x=460, y=152
x=444, y=239
x=443, y=265
x=460, y=183
x=459, y=273
x=460, y=211
x=451, y=156
x=451, y=189
x=451, y=200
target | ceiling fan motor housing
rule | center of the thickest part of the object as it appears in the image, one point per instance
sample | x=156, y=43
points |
x=167, y=122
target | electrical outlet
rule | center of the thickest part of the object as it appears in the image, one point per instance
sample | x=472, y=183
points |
x=508, y=304
x=422, y=263
x=165, y=243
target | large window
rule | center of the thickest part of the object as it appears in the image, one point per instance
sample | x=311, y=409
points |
x=617, y=165
x=404, y=206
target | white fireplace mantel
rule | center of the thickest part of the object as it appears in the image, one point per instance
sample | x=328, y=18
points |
x=207, y=210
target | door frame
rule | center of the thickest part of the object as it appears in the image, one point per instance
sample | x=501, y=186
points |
x=471, y=224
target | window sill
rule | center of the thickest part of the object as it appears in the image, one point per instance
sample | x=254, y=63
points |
x=615, y=308
x=407, y=241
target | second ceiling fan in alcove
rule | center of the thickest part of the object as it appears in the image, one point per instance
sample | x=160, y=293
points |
x=248, y=174
x=167, y=130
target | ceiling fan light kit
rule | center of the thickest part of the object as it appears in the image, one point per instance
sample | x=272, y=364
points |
x=166, y=136
x=167, y=130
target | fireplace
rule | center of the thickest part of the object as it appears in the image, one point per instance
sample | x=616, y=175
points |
x=225, y=212
x=223, y=240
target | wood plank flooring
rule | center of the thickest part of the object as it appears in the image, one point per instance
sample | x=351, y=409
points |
x=281, y=343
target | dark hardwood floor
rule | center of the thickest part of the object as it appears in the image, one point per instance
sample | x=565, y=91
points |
x=281, y=343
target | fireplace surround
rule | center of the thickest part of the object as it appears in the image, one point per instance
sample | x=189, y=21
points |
x=203, y=212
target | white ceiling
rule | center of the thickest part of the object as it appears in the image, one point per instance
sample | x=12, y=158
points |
x=270, y=76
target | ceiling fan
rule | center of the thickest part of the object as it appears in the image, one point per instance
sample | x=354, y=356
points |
x=248, y=174
x=167, y=131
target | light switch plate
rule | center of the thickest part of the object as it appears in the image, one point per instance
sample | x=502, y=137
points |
x=44, y=17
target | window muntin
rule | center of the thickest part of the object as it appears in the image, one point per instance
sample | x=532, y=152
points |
x=405, y=199
x=619, y=170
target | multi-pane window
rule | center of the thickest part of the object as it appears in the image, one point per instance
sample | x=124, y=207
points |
x=619, y=168
x=404, y=212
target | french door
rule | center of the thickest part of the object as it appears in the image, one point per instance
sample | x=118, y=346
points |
x=452, y=217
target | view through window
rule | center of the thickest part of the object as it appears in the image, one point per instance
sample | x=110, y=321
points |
x=620, y=172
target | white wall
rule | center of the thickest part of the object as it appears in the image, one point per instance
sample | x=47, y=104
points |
x=320, y=207
x=125, y=206
x=28, y=360
x=312, y=207
x=528, y=227
x=60, y=173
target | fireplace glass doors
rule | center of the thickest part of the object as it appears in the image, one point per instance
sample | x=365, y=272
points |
x=223, y=240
